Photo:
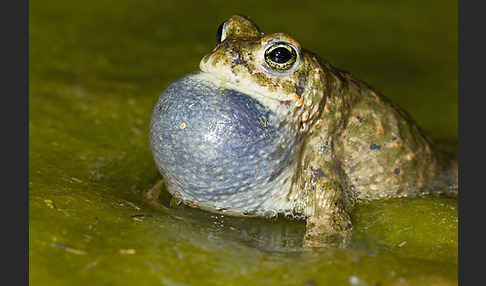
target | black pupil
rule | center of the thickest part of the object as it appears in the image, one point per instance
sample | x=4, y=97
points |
x=219, y=34
x=280, y=55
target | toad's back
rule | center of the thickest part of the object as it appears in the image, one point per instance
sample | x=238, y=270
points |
x=381, y=151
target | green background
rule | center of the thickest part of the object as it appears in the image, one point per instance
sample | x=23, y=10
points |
x=96, y=71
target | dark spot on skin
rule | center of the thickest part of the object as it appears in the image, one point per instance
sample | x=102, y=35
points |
x=361, y=120
x=353, y=168
x=302, y=76
x=321, y=174
x=240, y=61
x=394, y=138
x=374, y=147
x=299, y=90
x=396, y=171
x=301, y=125
x=317, y=172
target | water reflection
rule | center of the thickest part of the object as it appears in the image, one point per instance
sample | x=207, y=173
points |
x=276, y=235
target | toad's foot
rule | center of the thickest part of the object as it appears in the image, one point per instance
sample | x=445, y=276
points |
x=330, y=223
x=320, y=234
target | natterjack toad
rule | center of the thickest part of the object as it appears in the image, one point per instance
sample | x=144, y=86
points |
x=267, y=127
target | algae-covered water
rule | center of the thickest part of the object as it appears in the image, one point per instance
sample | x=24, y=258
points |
x=97, y=69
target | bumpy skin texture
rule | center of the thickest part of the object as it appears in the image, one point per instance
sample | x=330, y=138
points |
x=335, y=141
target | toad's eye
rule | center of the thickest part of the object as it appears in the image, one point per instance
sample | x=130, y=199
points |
x=280, y=56
x=221, y=34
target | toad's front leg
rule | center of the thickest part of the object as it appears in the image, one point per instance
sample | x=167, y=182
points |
x=329, y=224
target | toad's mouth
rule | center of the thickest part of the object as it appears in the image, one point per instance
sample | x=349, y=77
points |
x=221, y=149
x=274, y=102
x=244, y=83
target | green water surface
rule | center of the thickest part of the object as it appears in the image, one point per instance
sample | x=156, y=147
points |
x=97, y=69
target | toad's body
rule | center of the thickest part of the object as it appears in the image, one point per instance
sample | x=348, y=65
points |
x=311, y=140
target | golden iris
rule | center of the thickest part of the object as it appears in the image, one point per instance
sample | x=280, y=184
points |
x=280, y=56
